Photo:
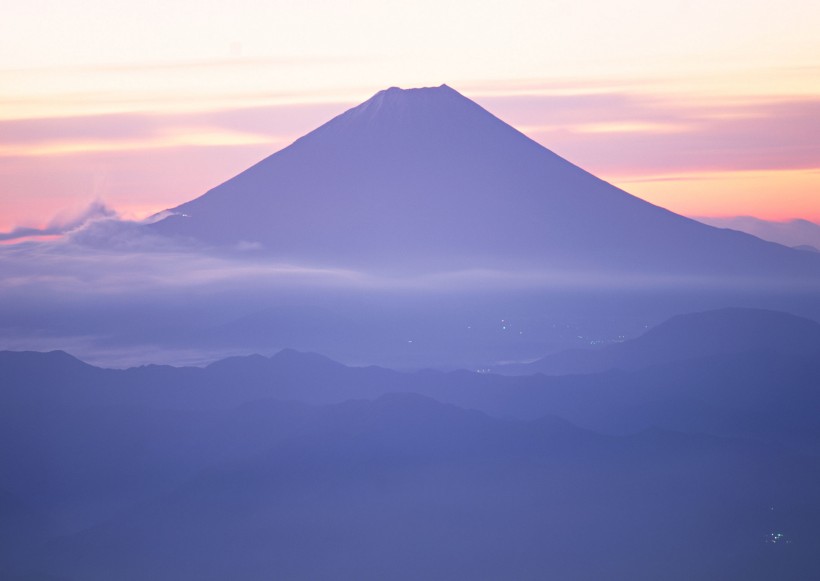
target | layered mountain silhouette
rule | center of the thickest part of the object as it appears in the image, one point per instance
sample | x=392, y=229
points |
x=403, y=487
x=127, y=475
x=698, y=460
x=694, y=335
x=729, y=372
x=426, y=179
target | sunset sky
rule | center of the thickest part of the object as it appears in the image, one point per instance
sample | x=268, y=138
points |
x=707, y=108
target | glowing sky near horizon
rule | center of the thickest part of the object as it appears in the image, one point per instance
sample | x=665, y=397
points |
x=707, y=108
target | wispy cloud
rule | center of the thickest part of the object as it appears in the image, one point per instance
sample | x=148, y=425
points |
x=181, y=65
x=627, y=134
x=64, y=223
x=616, y=132
x=134, y=131
x=120, y=258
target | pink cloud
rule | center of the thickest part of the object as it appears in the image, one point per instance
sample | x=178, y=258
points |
x=137, y=182
x=282, y=121
x=673, y=137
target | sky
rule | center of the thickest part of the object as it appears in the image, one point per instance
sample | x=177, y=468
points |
x=706, y=108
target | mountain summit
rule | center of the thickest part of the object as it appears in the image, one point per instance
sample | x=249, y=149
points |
x=426, y=179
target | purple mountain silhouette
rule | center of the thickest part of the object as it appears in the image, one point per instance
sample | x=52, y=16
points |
x=686, y=337
x=425, y=179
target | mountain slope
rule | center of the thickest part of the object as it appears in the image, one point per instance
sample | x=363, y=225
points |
x=425, y=179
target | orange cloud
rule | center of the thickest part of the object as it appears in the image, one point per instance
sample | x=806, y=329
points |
x=771, y=195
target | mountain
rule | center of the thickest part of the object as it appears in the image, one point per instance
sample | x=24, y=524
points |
x=423, y=180
x=794, y=233
x=689, y=336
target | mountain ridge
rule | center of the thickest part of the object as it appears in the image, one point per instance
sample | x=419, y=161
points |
x=776, y=386
x=687, y=336
x=426, y=179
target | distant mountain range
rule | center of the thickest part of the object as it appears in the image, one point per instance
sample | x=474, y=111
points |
x=758, y=345
x=426, y=180
x=700, y=465
x=711, y=333
x=800, y=234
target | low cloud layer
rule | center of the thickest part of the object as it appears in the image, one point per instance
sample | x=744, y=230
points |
x=115, y=294
x=100, y=256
